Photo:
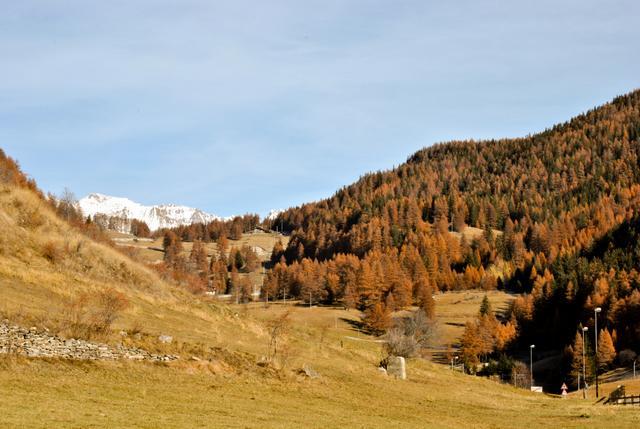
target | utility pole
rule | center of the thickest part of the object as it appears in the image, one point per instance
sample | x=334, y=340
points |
x=284, y=296
x=595, y=312
x=584, y=367
x=309, y=299
x=531, y=347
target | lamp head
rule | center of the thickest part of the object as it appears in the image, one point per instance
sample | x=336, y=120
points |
x=532, y=346
x=597, y=309
x=585, y=329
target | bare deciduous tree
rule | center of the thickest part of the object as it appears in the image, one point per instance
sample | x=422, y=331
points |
x=410, y=334
x=278, y=329
x=67, y=205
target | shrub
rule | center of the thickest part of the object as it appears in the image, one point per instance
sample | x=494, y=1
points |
x=31, y=218
x=521, y=375
x=109, y=304
x=278, y=331
x=88, y=316
x=502, y=367
x=626, y=357
x=410, y=334
x=51, y=252
x=195, y=284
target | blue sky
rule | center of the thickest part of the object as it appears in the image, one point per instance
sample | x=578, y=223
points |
x=243, y=106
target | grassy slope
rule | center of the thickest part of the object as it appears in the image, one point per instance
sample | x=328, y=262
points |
x=37, y=291
x=454, y=309
x=230, y=390
x=46, y=394
x=150, y=251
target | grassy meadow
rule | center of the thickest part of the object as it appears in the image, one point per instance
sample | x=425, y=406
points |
x=350, y=393
x=222, y=378
x=150, y=250
x=454, y=309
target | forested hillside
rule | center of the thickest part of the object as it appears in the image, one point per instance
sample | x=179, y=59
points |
x=541, y=201
x=604, y=275
x=553, y=216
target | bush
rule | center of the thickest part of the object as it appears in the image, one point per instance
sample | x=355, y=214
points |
x=109, y=304
x=89, y=316
x=279, y=350
x=30, y=219
x=51, y=252
x=410, y=334
x=521, y=375
x=195, y=284
x=626, y=357
x=502, y=367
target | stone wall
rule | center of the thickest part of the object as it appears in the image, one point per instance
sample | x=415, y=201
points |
x=34, y=343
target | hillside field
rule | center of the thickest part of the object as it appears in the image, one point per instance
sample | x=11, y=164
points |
x=42, y=393
x=221, y=379
x=150, y=250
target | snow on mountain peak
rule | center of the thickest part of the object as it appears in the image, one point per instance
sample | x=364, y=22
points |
x=273, y=214
x=158, y=216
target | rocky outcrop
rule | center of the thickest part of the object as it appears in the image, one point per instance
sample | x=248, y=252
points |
x=34, y=343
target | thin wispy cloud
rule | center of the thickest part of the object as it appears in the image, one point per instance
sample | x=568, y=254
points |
x=246, y=106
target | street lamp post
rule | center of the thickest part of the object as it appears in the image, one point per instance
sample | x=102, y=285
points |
x=584, y=367
x=531, y=347
x=595, y=312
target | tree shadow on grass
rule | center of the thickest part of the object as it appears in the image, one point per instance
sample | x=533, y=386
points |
x=356, y=325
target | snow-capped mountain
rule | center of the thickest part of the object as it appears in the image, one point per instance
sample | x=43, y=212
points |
x=273, y=214
x=160, y=216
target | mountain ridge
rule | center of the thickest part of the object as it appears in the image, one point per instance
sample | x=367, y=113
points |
x=155, y=216
x=552, y=195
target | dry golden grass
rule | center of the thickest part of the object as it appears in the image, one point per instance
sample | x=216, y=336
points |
x=42, y=394
x=470, y=233
x=151, y=251
x=454, y=309
x=35, y=289
x=632, y=387
x=226, y=388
